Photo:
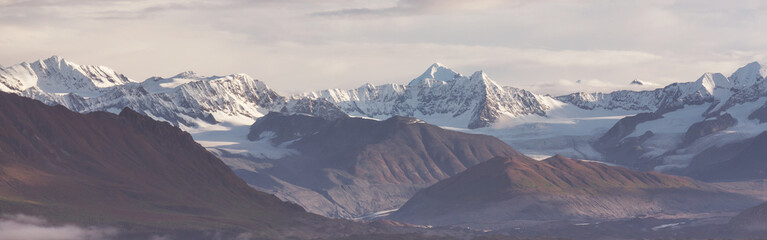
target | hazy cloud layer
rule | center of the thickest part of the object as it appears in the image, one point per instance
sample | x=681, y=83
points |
x=300, y=45
x=23, y=227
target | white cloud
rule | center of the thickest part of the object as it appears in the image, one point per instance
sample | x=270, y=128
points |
x=412, y=7
x=23, y=227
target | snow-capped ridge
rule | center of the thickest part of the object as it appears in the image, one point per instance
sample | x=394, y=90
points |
x=188, y=74
x=748, y=75
x=475, y=101
x=59, y=76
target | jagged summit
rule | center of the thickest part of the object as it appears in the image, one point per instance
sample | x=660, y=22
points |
x=436, y=72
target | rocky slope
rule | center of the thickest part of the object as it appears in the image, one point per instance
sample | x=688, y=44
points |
x=352, y=166
x=130, y=171
x=506, y=191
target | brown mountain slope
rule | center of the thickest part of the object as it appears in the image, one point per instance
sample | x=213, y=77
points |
x=504, y=190
x=105, y=169
x=360, y=166
x=751, y=220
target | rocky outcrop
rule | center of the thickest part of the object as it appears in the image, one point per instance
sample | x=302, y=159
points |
x=707, y=127
x=280, y=127
x=759, y=114
x=623, y=128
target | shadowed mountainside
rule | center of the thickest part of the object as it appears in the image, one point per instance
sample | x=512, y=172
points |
x=520, y=188
x=129, y=170
x=751, y=220
x=360, y=166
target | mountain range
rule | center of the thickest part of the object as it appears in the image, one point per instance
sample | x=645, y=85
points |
x=444, y=149
x=666, y=129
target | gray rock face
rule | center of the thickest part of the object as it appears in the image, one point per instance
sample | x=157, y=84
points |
x=280, y=127
x=700, y=129
x=623, y=128
x=615, y=147
x=362, y=166
x=759, y=114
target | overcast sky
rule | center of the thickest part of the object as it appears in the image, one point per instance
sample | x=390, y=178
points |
x=300, y=45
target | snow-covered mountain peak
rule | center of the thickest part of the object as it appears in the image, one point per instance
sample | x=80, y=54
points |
x=53, y=59
x=482, y=78
x=748, y=75
x=478, y=75
x=59, y=76
x=188, y=75
x=436, y=72
x=711, y=81
x=239, y=81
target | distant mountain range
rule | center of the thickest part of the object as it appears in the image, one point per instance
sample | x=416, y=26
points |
x=186, y=99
